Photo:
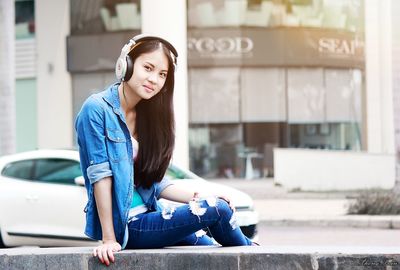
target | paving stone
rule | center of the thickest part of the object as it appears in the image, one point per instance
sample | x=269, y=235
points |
x=165, y=261
x=359, y=262
x=275, y=261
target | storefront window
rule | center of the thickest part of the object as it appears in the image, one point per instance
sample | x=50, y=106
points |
x=215, y=149
x=337, y=14
x=220, y=85
x=238, y=115
x=24, y=19
x=99, y=16
x=325, y=108
x=272, y=73
x=329, y=136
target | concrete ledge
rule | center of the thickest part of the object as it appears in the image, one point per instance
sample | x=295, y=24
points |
x=274, y=258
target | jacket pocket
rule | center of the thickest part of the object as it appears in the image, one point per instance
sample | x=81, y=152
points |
x=116, y=144
x=116, y=135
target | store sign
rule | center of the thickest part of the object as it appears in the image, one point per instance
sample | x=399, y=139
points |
x=222, y=47
x=275, y=47
x=337, y=46
x=234, y=47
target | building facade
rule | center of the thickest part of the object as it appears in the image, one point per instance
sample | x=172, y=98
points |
x=303, y=75
x=282, y=74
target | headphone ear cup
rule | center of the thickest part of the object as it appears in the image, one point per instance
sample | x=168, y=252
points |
x=129, y=68
x=120, y=68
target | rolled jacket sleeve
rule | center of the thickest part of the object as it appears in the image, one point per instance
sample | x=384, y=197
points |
x=92, y=141
x=98, y=171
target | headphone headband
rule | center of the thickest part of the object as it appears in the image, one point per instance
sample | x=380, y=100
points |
x=144, y=37
x=124, y=65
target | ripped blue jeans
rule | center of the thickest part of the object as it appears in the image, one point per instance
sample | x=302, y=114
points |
x=180, y=226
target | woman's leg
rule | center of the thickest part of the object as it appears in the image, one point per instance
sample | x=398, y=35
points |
x=160, y=229
x=199, y=238
x=226, y=231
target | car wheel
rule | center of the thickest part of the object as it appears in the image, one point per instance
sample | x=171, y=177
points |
x=250, y=231
x=1, y=242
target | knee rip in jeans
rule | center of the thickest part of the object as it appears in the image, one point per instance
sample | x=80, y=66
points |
x=197, y=209
x=199, y=234
x=168, y=212
x=233, y=221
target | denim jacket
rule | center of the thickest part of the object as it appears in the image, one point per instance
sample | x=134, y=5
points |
x=105, y=149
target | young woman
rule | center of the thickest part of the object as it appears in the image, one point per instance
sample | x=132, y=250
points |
x=126, y=138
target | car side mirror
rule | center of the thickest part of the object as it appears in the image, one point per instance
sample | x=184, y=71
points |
x=80, y=180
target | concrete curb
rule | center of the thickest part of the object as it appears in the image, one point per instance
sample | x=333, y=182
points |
x=354, y=221
x=203, y=258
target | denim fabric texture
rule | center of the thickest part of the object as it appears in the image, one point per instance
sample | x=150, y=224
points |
x=105, y=149
x=177, y=226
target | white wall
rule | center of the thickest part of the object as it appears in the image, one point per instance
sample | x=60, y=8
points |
x=55, y=127
x=378, y=59
x=168, y=19
x=7, y=78
x=396, y=78
x=321, y=170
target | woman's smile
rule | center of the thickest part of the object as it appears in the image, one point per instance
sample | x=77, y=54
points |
x=148, y=88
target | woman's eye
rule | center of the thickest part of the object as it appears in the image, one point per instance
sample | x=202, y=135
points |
x=163, y=75
x=147, y=68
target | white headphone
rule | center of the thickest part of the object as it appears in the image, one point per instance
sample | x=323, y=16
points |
x=124, y=65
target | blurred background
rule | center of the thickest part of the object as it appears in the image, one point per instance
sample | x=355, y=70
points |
x=265, y=85
x=301, y=97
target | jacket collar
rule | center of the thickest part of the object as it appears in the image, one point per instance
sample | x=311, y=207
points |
x=112, y=98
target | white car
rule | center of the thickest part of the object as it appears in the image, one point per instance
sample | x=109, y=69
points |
x=42, y=196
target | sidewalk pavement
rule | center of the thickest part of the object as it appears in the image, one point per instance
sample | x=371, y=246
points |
x=277, y=206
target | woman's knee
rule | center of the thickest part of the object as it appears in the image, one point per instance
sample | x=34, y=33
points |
x=211, y=209
x=223, y=207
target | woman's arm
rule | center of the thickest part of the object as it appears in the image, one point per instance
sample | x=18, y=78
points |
x=184, y=194
x=103, y=197
x=178, y=193
x=102, y=194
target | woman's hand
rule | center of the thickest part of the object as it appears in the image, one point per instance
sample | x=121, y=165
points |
x=103, y=197
x=105, y=251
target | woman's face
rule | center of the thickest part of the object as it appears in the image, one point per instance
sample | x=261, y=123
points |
x=149, y=74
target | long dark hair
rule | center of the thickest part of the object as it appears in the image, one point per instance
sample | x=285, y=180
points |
x=155, y=124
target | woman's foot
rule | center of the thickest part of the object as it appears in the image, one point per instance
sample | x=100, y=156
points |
x=255, y=244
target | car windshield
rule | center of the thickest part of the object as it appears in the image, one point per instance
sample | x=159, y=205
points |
x=174, y=172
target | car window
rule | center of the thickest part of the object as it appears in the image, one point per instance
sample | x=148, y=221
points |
x=19, y=169
x=56, y=170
